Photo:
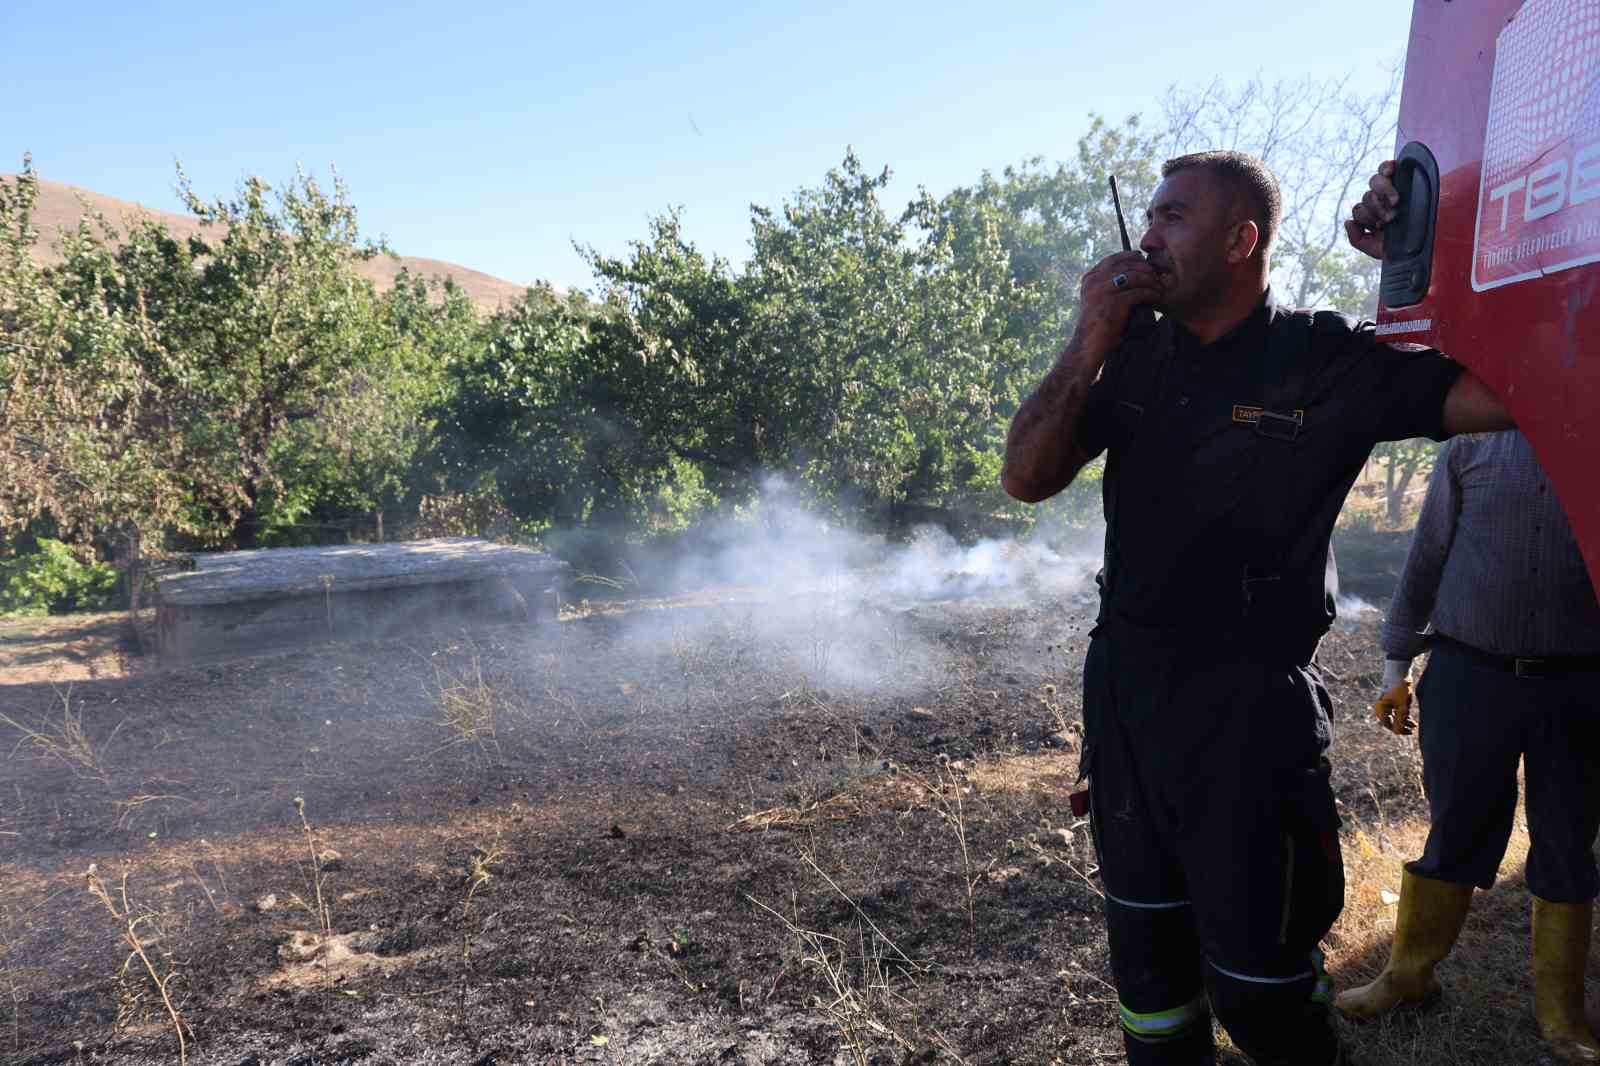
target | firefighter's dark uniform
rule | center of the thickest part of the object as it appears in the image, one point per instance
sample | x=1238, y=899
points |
x=1206, y=720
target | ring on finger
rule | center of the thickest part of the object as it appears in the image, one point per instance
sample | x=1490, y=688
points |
x=1120, y=281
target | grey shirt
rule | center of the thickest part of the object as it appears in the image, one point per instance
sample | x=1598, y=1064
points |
x=1493, y=562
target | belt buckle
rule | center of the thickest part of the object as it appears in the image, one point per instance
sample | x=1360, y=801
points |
x=1527, y=668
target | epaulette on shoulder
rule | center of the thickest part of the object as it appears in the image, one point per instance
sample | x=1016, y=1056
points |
x=1335, y=324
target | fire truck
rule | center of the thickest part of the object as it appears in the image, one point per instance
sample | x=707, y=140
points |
x=1494, y=257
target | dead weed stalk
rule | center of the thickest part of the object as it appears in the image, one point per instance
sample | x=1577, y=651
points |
x=856, y=1007
x=65, y=740
x=823, y=630
x=802, y=815
x=321, y=910
x=192, y=864
x=690, y=653
x=858, y=995
x=479, y=874
x=1050, y=700
x=133, y=810
x=809, y=855
x=945, y=793
x=132, y=922
x=12, y=987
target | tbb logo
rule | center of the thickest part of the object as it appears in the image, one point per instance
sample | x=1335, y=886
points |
x=1539, y=197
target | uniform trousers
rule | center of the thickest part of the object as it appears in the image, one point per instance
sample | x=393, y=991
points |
x=1219, y=851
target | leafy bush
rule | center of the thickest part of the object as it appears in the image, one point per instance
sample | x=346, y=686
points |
x=52, y=580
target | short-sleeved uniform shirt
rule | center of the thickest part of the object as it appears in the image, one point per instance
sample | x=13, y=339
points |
x=1200, y=501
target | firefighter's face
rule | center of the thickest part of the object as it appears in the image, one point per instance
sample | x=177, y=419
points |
x=1191, y=240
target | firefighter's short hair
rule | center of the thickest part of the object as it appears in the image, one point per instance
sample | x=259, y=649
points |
x=1250, y=180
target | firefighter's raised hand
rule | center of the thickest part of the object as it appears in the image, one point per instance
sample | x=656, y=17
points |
x=1393, y=708
x=1108, y=294
x=1374, y=211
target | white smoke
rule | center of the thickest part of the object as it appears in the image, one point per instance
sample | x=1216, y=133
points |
x=839, y=606
x=1353, y=609
x=934, y=566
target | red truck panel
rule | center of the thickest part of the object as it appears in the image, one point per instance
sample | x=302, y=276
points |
x=1516, y=261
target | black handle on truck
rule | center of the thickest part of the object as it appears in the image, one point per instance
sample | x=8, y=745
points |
x=1408, y=240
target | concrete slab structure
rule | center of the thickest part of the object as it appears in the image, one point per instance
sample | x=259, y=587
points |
x=231, y=604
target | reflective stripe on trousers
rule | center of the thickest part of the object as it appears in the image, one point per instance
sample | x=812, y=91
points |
x=1164, y=1024
x=1322, y=984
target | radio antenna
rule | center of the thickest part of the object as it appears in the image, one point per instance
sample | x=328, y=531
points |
x=1122, y=226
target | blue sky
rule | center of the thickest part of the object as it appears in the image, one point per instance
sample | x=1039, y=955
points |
x=498, y=134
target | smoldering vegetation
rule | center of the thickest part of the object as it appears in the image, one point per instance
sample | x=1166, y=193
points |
x=785, y=590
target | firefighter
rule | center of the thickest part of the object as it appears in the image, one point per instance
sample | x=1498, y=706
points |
x=1496, y=587
x=1233, y=430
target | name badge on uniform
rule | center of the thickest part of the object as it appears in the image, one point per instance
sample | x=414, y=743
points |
x=1249, y=415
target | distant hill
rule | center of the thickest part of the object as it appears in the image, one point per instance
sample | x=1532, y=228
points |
x=61, y=206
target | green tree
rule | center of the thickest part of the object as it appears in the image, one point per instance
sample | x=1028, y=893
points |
x=357, y=461
x=1051, y=222
x=1403, y=461
x=533, y=415
x=274, y=320
x=688, y=377
x=52, y=579
x=831, y=284
x=90, y=439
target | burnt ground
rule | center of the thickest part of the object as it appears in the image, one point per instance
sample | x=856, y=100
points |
x=712, y=831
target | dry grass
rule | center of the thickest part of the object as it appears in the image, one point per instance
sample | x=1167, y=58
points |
x=803, y=815
x=857, y=995
x=877, y=1000
x=946, y=795
x=468, y=708
x=64, y=738
x=823, y=629
x=10, y=983
x=136, y=809
x=860, y=979
x=310, y=960
x=1486, y=1013
x=1483, y=1019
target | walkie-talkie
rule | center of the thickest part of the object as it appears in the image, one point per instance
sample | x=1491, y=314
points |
x=1122, y=224
x=1144, y=316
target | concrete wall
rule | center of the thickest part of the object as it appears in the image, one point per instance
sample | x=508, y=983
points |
x=189, y=634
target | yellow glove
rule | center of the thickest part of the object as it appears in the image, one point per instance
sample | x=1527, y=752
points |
x=1393, y=708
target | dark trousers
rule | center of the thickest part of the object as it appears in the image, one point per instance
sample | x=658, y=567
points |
x=1477, y=722
x=1219, y=851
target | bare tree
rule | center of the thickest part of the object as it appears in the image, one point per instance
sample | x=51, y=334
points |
x=1322, y=139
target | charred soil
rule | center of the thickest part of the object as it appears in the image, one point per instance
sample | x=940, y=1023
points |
x=663, y=833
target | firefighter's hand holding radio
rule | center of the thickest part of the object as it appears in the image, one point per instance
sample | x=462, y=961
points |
x=1107, y=296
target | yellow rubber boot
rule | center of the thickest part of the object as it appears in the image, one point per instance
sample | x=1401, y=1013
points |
x=1431, y=916
x=1560, y=953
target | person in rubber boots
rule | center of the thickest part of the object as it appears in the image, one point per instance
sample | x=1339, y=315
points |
x=1233, y=429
